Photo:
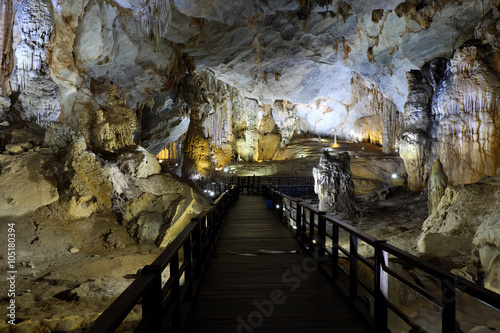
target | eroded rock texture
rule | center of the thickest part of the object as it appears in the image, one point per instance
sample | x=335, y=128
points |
x=466, y=222
x=465, y=113
x=414, y=142
x=438, y=181
x=333, y=184
x=38, y=93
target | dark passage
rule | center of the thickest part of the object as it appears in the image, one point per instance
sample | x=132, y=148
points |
x=258, y=281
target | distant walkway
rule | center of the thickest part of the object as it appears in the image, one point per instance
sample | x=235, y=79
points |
x=258, y=281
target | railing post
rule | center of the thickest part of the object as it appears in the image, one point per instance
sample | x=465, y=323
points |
x=258, y=186
x=335, y=252
x=197, y=249
x=380, y=289
x=212, y=225
x=188, y=272
x=311, y=230
x=448, y=297
x=203, y=238
x=353, y=267
x=298, y=219
x=175, y=293
x=151, y=301
x=281, y=204
x=321, y=236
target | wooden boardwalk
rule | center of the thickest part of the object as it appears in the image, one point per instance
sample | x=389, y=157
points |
x=258, y=281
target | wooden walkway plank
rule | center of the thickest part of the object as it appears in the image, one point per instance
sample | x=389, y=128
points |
x=257, y=280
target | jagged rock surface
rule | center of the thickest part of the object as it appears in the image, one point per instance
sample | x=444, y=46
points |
x=333, y=184
x=414, y=142
x=39, y=94
x=466, y=114
x=138, y=163
x=465, y=221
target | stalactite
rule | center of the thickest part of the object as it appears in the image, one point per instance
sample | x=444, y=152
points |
x=343, y=10
x=6, y=24
x=38, y=93
x=347, y=49
x=156, y=18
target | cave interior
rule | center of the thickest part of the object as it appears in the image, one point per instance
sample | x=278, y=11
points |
x=119, y=119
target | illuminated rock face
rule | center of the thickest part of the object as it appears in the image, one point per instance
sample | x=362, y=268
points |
x=39, y=94
x=414, y=143
x=333, y=184
x=466, y=118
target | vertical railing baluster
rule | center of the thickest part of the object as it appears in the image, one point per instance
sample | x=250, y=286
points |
x=353, y=267
x=281, y=206
x=175, y=293
x=311, y=230
x=188, y=272
x=448, y=297
x=304, y=227
x=197, y=249
x=321, y=236
x=298, y=219
x=212, y=221
x=380, y=289
x=203, y=238
x=335, y=252
x=151, y=301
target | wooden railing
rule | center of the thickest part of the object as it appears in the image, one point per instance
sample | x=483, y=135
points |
x=294, y=186
x=165, y=301
x=372, y=297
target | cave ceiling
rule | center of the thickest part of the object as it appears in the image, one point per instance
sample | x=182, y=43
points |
x=303, y=50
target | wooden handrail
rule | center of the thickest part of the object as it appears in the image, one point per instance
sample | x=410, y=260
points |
x=311, y=223
x=196, y=241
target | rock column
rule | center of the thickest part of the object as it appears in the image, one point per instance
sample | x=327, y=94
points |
x=333, y=184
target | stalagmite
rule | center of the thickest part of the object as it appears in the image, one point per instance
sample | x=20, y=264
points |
x=438, y=181
x=39, y=94
x=333, y=184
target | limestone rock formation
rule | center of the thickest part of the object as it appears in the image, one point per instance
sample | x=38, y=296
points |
x=414, y=142
x=138, y=163
x=333, y=184
x=438, y=181
x=38, y=93
x=114, y=126
x=163, y=122
x=490, y=261
x=466, y=222
x=197, y=155
x=284, y=114
x=166, y=197
x=35, y=183
x=465, y=110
